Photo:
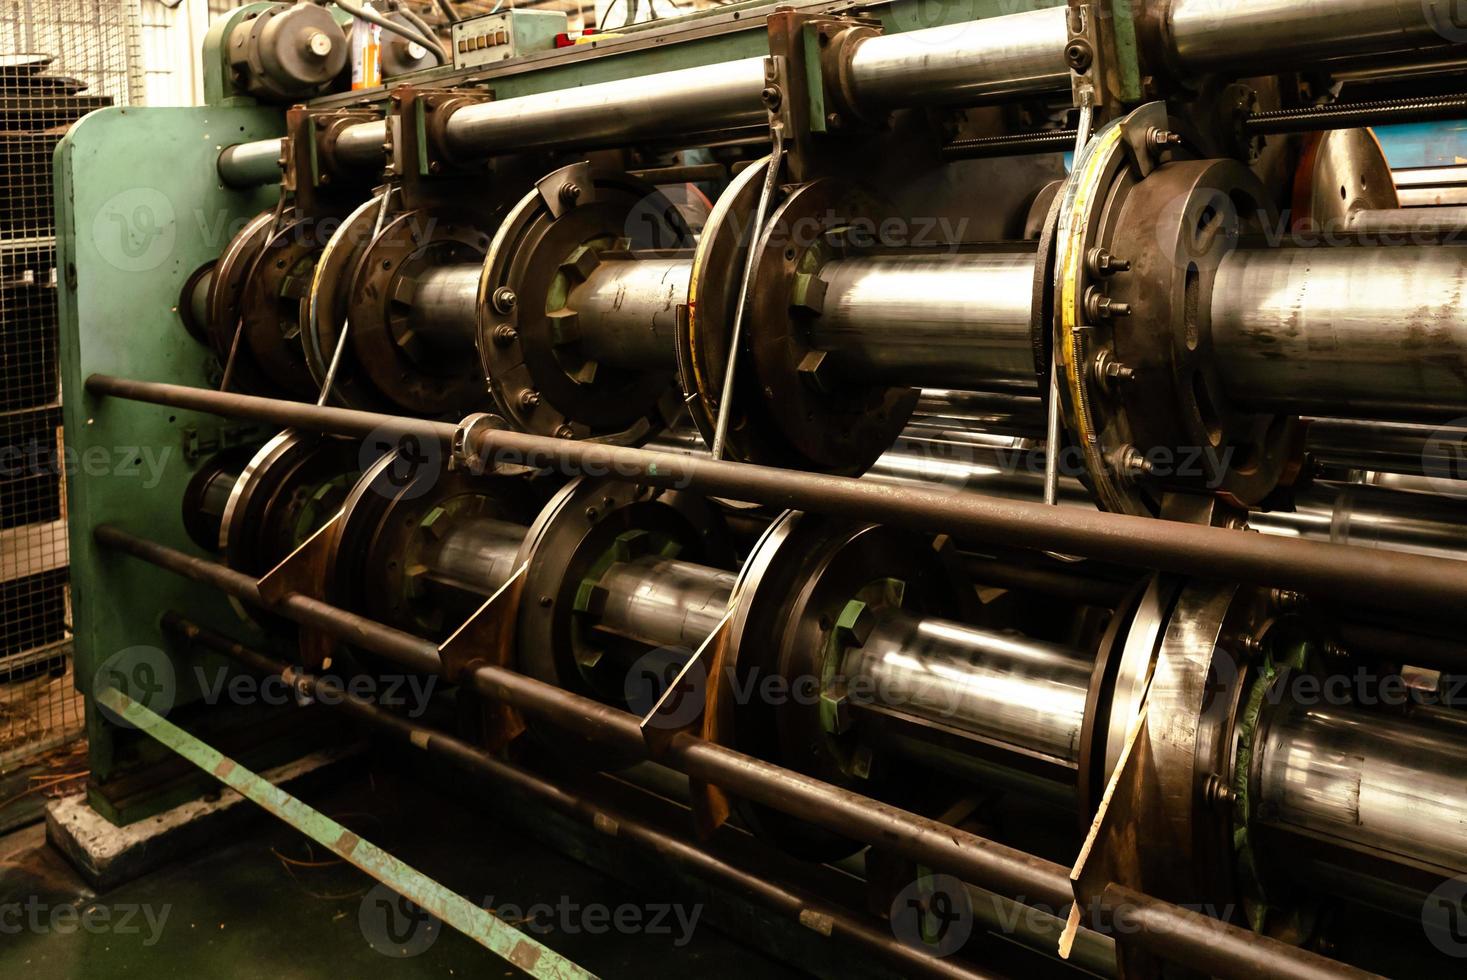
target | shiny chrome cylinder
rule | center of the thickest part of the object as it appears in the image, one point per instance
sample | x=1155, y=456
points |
x=445, y=306
x=1373, y=517
x=1391, y=447
x=959, y=320
x=1237, y=35
x=250, y=164
x=977, y=61
x=723, y=95
x=1370, y=779
x=476, y=555
x=627, y=311
x=1375, y=333
x=1000, y=686
x=664, y=602
x=1406, y=226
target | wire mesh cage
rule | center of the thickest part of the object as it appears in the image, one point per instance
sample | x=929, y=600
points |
x=59, y=59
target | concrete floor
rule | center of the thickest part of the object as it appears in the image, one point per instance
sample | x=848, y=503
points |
x=243, y=912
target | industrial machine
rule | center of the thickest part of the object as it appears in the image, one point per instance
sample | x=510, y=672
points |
x=1006, y=456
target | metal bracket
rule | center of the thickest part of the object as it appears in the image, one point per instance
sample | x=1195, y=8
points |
x=487, y=637
x=303, y=572
x=311, y=173
x=431, y=175
x=658, y=725
x=567, y=187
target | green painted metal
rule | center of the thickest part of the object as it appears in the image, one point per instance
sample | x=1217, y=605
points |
x=480, y=925
x=139, y=207
x=1127, y=49
x=896, y=18
x=218, y=80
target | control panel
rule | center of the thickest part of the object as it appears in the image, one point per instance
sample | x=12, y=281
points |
x=509, y=34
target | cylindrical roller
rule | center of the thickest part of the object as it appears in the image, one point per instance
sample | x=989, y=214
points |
x=445, y=304
x=1002, y=686
x=249, y=164
x=958, y=320
x=1404, y=226
x=1234, y=35
x=1016, y=54
x=664, y=602
x=475, y=555
x=1369, y=779
x=1345, y=332
x=692, y=100
x=627, y=311
x=1373, y=517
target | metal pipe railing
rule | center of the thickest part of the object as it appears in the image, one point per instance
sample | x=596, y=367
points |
x=712, y=861
x=1230, y=951
x=1400, y=582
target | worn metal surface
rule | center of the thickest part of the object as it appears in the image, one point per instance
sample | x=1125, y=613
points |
x=139, y=209
x=1407, y=583
x=479, y=924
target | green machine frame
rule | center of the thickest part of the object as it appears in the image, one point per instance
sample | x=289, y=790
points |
x=140, y=208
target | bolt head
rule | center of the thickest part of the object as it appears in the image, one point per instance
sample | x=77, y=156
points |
x=504, y=299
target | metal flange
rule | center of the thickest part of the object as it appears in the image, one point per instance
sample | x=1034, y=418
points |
x=808, y=420
x=225, y=301
x=323, y=310
x=389, y=520
x=270, y=303
x=433, y=376
x=574, y=532
x=1142, y=231
x=540, y=380
x=291, y=487
x=805, y=573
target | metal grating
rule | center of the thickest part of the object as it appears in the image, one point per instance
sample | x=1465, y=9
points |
x=59, y=59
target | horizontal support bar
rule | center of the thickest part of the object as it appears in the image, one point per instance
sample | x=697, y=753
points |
x=1181, y=935
x=480, y=925
x=1396, y=581
x=707, y=861
x=983, y=862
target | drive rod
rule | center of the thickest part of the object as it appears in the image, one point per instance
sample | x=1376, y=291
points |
x=1315, y=331
x=705, y=861
x=1401, y=582
x=1235, y=952
x=980, y=61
